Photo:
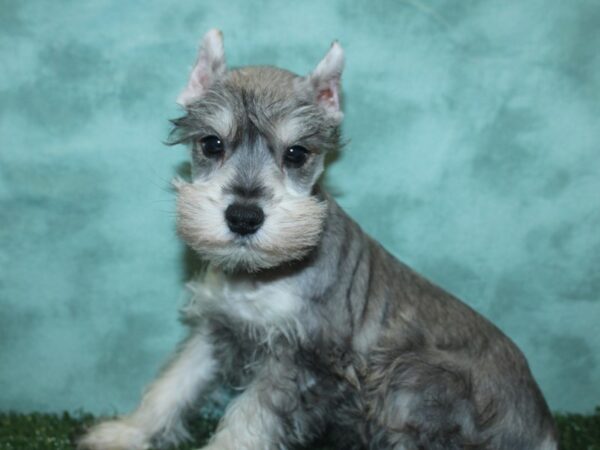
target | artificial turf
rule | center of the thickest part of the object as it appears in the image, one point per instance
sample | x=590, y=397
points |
x=59, y=431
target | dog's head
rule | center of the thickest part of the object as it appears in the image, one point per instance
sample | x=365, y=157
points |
x=258, y=137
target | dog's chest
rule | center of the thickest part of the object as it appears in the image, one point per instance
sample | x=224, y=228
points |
x=263, y=306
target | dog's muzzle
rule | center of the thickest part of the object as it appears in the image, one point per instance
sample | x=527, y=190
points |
x=244, y=219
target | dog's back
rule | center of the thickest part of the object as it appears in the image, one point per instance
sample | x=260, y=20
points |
x=438, y=375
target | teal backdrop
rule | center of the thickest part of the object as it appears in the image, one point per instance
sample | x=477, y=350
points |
x=473, y=155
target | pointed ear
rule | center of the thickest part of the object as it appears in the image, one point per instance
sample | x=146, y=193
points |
x=209, y=67
x=325, y=80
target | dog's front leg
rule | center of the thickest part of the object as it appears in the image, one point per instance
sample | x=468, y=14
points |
x=247, y=425
x=158, y=417
x=268, y=415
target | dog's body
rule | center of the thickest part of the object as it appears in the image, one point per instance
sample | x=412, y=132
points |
x=324, y=330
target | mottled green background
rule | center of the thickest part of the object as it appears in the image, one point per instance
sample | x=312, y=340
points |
x=473, y=155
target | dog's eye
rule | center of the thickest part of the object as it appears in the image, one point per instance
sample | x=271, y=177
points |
x=295, y=156
x=212, y=146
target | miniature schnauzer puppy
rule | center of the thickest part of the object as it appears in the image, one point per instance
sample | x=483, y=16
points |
x=324, y=330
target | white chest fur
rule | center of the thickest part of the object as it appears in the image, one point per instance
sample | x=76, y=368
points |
x=265, y=307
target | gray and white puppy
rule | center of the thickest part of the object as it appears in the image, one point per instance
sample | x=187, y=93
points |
x=325, y=331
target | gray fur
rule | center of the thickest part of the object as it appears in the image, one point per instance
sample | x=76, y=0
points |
x=350, y=341
x=470, y=386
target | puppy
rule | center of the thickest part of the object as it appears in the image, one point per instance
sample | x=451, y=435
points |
x=323, y=329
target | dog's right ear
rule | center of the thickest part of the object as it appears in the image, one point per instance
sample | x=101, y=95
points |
x=209, y=67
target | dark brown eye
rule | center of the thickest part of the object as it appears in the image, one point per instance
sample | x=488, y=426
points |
x=212, y=146
x=295, y=156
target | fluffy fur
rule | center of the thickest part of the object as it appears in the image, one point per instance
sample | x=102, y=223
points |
x=201, y=223
x=322, y=328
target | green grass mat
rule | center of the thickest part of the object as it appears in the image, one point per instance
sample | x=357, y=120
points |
x=58, y=432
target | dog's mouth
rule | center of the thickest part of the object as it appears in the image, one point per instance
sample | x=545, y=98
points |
x=244, y=241
x=251, y=244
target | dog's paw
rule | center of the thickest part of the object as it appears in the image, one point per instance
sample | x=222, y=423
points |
x=114, y=435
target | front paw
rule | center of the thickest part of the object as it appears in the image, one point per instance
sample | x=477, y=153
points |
x=114, y=435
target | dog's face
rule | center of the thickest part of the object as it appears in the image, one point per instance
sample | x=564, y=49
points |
x=258, y=137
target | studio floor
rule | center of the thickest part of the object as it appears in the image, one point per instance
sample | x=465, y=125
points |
x=60, y=431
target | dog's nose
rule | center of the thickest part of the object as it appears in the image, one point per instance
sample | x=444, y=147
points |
x=244, y=219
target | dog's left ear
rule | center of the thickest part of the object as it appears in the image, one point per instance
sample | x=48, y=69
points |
x=325, y=81
x=209, y=67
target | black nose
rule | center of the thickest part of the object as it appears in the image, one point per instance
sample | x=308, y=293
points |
x=244, y=219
